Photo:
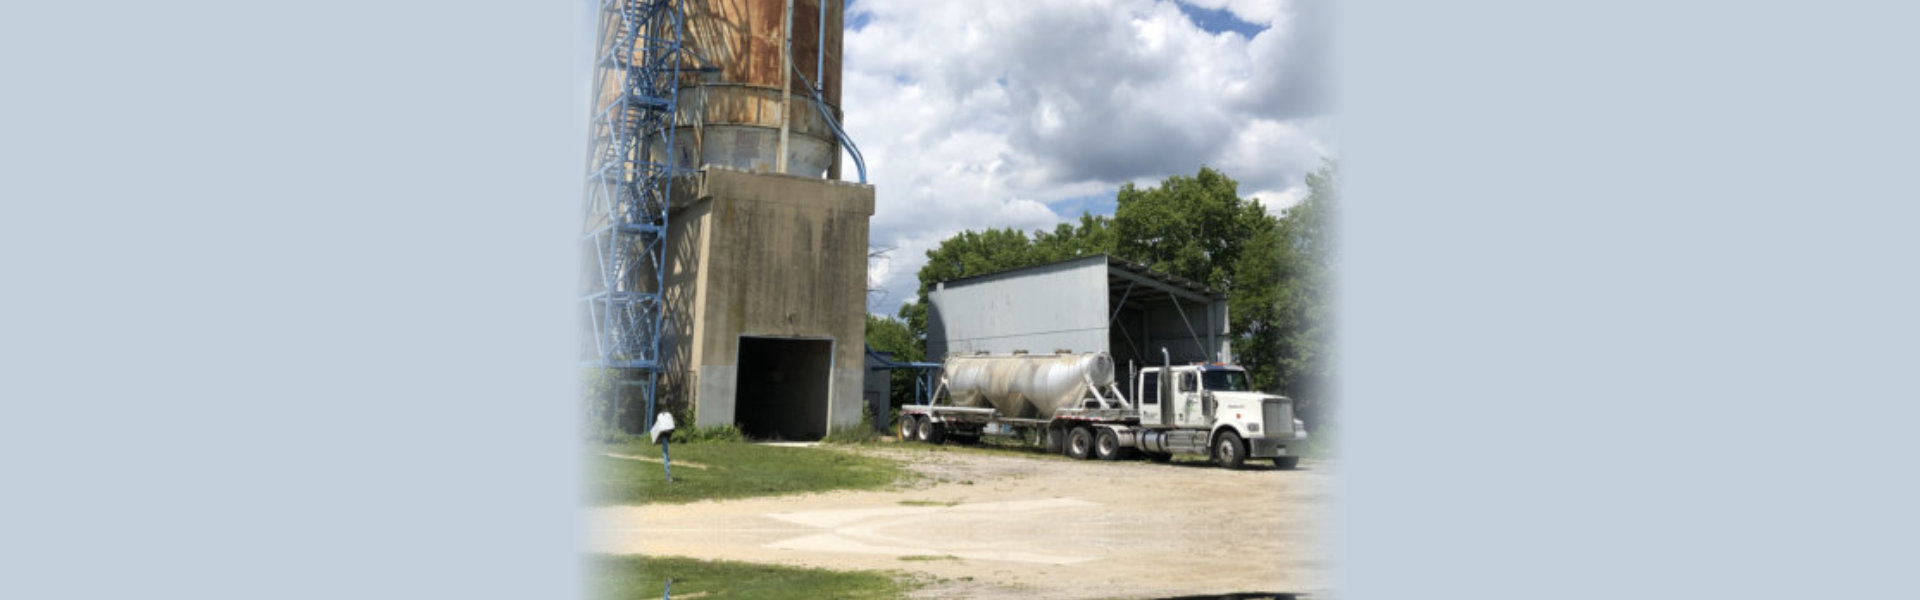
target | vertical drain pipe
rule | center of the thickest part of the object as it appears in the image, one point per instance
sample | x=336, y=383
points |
x=786, y=89
x=820, y=77
x=820, y=49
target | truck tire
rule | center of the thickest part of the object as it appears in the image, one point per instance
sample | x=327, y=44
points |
x=1228, y=451
x=931, y=432
x=1106, y=445
x=1080, y=443
x=909, y=426
x=1286, y=462
x=1054, y=439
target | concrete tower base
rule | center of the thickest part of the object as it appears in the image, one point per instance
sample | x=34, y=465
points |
x=766, y=288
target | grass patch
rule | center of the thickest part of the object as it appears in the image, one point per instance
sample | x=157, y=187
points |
x=627, y=577
x=924, y=557
x=711, y=433
x=733, y=470
x=852, y=435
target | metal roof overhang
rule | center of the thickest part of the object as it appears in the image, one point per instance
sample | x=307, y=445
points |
x=1126, y=281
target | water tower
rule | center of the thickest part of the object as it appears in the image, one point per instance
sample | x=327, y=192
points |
x=727, y=276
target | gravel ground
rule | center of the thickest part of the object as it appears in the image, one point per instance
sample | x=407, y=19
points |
x=1006, y=525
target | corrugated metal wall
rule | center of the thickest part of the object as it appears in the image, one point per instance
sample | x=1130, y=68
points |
x=1041, y=309
x=1069, y=306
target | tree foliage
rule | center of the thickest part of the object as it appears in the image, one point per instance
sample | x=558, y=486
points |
x=1195, y=227
x=1307, y=362
x=892, y=335
x=1282, y=310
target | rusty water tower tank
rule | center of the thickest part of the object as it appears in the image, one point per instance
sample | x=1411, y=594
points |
x=732, y=116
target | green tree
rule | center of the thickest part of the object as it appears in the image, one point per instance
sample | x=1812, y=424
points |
x=1093, y=235
x=1254, y=308
x=1305, y=299
x=892, y=335
x=1195, y=227
x=1283, y=307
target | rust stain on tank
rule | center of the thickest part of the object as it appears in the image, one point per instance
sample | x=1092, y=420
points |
x=742, y=39
x=731, y=115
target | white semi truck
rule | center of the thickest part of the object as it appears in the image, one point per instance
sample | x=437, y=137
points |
x=1071, y=404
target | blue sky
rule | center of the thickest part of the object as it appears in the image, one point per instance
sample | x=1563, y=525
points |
x=1220, y=20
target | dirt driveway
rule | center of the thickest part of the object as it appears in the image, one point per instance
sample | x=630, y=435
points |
x=1014, y=526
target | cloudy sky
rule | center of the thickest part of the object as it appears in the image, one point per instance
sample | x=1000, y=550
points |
x=1023, y=113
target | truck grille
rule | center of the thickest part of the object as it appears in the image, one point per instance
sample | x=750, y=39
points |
x=1278, y=415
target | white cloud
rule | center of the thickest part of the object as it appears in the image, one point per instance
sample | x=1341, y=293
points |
x=989, y=114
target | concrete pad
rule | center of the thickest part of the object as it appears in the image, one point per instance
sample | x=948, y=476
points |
x=924, y=530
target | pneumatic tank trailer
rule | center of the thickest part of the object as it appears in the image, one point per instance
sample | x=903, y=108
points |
x=1071, y=404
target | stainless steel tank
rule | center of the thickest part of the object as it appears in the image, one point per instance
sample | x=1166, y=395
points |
x=1026, y=386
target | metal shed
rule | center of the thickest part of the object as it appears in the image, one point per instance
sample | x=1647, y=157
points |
x=1091, y=304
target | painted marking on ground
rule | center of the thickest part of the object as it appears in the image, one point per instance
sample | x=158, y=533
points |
x=677, y=463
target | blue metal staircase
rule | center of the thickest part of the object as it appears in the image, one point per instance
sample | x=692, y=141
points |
x=629, y=180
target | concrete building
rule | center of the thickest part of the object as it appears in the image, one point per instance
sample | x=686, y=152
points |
x=1090, y=304
x=749, y=305
x=766, y=297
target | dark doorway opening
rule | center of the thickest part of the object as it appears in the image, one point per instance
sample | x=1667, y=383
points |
x=781, y=389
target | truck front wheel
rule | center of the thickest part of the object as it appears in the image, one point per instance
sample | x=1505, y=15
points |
x=1080, y=443
x=1228, y=451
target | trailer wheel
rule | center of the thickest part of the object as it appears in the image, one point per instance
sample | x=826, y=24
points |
x=1054, y=438
x=908, y=426
x=1228, y=451
x=1286, y=462
x=1080, y=443
x=1106, y=445
x=931, y=432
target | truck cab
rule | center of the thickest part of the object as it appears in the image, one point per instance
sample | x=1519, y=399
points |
x=1215, y=411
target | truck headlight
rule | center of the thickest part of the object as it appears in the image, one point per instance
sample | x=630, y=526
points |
x=1253, y=428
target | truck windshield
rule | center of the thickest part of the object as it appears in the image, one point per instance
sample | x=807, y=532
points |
x=1225, y=381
